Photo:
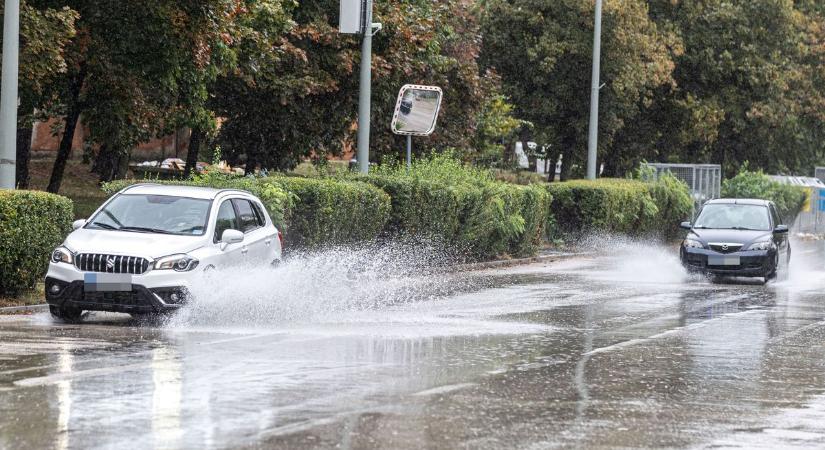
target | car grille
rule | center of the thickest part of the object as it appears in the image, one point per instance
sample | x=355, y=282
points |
x=96, y=262
x=725, y=248
x=129, y=298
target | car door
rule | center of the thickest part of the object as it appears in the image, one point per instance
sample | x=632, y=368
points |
x=225, y=219
x=781, y=239
x=255, y=235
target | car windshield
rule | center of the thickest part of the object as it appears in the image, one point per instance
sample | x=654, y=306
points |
x=164, y=214
x=732, y=216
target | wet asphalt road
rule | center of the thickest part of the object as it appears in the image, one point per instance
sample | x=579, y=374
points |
x=619, y=351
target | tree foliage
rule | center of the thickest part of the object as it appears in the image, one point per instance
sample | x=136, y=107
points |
x=542, y=49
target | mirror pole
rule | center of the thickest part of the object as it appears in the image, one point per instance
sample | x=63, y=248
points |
x=593, y=132
x=8, y=97
x=364, y=93
x=409, y=152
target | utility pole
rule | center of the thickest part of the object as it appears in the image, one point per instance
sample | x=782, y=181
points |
x=364, y=93
x=593, y=135
x=8, y=94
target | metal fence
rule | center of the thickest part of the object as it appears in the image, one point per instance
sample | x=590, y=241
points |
x=812, y=217
x=704, y=180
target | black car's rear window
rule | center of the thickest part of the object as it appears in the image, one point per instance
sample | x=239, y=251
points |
x=732, y=216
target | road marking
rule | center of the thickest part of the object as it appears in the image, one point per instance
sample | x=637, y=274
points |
x=632, y=342
x=58, y=377
x=444, y=389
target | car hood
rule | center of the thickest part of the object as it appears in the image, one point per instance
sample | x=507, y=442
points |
x=129, y=243
x=743, y=237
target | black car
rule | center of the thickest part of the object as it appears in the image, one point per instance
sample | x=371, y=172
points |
x=406, y=106
x=737, y=237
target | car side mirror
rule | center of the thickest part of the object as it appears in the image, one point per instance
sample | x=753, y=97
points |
x=78, y=224
x=230, y=236
x=685, y=226
x=781, y=229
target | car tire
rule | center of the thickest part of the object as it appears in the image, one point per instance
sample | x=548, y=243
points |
x=67, y=315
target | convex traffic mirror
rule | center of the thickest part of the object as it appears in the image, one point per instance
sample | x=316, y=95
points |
x=416, y=110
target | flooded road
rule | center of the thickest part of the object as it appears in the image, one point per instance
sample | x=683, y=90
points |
x=622, y=350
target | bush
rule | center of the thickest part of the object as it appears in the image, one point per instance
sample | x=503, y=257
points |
x=32, y=224
x=463, y=207
x=329, y=212
x=746, y=184
x=312, y=213
x=618, y=206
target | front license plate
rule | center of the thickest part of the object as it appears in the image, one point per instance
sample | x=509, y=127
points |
x=723, y=260
x=107, y=282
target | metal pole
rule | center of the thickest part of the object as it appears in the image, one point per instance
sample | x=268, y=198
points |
x=8, y=94
x=409, y=152
x=593, y=136
x=364, y=94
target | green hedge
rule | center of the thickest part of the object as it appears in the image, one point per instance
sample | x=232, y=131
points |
x=485, y=220
x=312, y=213
x=32, y=224
x=618, y=206
x=789, y=199
x=327, y=212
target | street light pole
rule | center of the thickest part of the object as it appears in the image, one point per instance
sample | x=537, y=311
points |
x=8, y=94
x=593, y=135
x=364, y=93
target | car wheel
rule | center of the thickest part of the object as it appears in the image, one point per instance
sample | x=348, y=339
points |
x=67, y=315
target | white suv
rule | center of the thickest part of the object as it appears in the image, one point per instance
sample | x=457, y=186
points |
x=141, y=250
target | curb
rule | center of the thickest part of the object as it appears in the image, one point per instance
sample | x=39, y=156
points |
x=24, y=309
x=517, y=262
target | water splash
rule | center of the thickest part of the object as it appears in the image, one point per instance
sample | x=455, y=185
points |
x=318, y=286
x=635, y=260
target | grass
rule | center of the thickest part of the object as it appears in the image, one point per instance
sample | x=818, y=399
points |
x=35, y=297
x=79, y=184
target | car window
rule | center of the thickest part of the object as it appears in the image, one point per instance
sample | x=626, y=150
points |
x=163, y=214
x=734, y=216
x=776, y=219
x=246, y=215
x=259, y=214
x=226, y=219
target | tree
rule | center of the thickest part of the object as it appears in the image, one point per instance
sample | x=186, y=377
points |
x=749, y=87
x=301, y=99
x=134, y=70
x=542, y=49
x=44, y=33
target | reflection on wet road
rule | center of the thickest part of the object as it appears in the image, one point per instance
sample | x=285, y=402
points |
x=621, y=351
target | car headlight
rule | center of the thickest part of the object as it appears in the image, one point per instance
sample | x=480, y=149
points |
x=62, y=255
x=179, y=263
x=762, y=245
x=692, y=243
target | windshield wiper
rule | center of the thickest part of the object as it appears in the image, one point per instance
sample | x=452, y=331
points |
x=105, y=226
x=145, y=230
x=741, y=228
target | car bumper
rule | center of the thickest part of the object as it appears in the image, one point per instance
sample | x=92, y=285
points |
x=154, y=291
x=756, y=263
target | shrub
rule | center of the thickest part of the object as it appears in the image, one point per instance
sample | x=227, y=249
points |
x=32, y=224
x=463, y=207
x=617, y=206
x=747, y=184
x=329, y=212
